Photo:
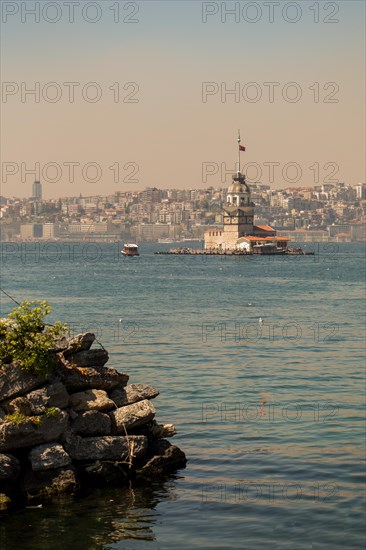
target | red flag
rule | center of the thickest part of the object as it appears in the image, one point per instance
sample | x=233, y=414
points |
x=241, y=148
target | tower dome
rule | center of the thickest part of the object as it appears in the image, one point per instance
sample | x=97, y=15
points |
x=238, y=193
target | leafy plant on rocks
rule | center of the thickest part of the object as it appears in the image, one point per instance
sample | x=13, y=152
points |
x=27, y=340
x=51, y=412
x=18, y=418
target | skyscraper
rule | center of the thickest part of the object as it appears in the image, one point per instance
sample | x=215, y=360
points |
x=37, y=190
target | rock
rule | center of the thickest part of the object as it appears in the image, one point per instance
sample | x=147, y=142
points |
x=37, y=401
x=60, y=345
x=19, y=404
x=153, y=430
x=92, y=423
x=31, y=431
x=72, y=414
x=52, y=395
x=50, y=483
x=164, y=430
x=131, y=416
x=163, y=458
x=9, y=467
x=80, y=342
x=48, y=457
x=81, y=422
x=88, y=449
x=100, y=378
x=14, y=381
x=105, y=472
x=89, y=400
x=133, y=393
x=88, y=358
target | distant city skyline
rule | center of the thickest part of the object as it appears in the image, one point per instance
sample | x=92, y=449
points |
x=36, y=190
x=129, y=101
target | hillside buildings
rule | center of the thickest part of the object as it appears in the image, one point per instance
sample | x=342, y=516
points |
x=324, y=212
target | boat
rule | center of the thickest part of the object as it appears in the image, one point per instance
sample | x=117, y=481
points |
x=130, y=249
x=191, y=239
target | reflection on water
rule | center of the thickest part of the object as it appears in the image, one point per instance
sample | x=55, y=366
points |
x=99, y=520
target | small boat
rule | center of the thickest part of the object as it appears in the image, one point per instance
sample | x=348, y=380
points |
x=130, y=249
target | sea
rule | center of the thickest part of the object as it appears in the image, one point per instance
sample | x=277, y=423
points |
x=260, y=364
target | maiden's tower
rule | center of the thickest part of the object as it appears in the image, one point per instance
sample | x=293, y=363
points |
x=239, y=232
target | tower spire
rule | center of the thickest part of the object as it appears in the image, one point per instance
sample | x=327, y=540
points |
x=239, y=140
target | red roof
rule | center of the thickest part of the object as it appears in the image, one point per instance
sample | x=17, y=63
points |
x=264, y=227
x=254, y=238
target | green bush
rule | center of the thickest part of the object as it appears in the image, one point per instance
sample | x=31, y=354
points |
x=26, y=340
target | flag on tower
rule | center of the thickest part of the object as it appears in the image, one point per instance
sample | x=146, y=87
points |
x=241, y=148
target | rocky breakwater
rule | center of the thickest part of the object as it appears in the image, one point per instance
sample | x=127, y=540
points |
x=80, y=425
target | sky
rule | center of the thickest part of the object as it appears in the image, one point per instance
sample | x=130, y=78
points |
x=128, y=95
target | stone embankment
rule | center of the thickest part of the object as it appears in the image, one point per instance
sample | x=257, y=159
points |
x=79, y=426
x=228, y=252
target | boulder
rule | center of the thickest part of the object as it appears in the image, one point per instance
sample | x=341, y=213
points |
x=163, y=458
x=153, y=430
x=72, y=414
x=14, y=381
x=88, y=358
x=80, y=342
x=100, y=378
x=9, y=467
x=52, y=395
x=91, y=423
x=89, y=449
x=61, y=344
x=131, y=416
x=105, y=472
x=50, y=483
x=90, y=400
x=19, y=404
x=133, y=393
x=48, y=457
x=33, y=430
x=36, y=402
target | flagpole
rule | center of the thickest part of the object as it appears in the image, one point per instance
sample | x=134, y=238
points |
x=239, y=151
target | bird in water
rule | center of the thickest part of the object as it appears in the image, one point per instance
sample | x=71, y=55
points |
x=260, y=321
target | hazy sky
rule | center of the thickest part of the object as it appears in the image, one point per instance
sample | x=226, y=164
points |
x=163, y=71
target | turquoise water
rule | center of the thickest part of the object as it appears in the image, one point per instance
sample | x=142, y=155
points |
x=270, y=415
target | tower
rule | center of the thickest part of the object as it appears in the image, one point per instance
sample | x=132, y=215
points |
x=239, y=232
x=239, y=208
x=37, y=191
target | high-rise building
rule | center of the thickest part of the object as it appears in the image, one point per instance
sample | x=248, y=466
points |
x=31, y=231
x=37, y=190
x=50, y=231
x=361, y=191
